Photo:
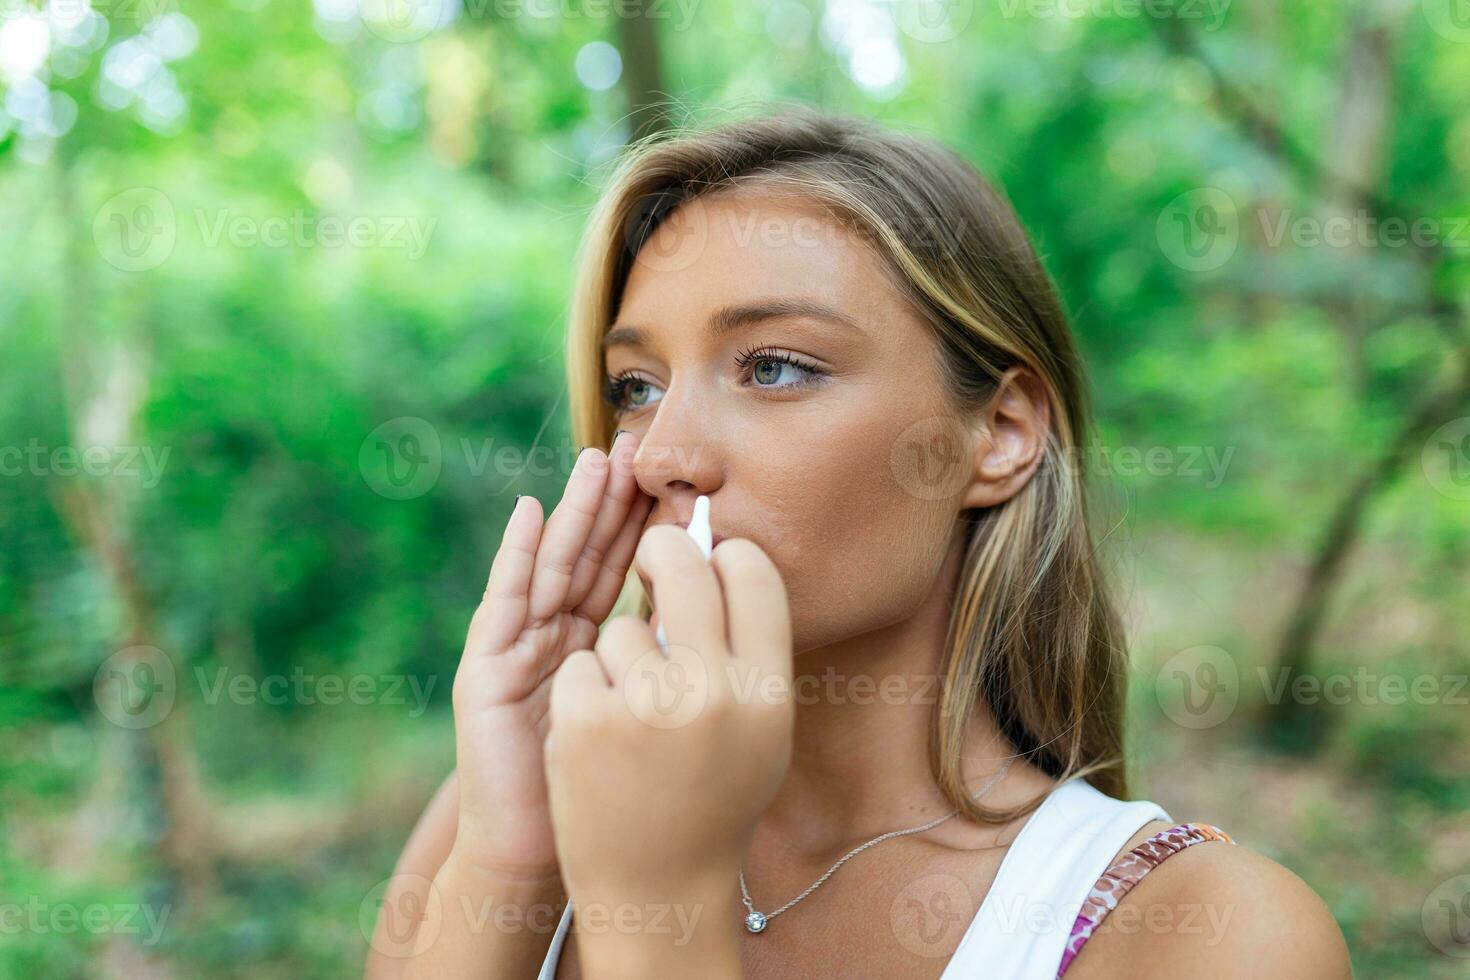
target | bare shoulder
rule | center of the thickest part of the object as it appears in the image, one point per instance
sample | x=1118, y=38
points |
x=1216, y=911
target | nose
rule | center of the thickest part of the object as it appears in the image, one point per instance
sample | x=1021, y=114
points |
x=679, y=454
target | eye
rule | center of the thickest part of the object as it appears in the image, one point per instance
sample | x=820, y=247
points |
x=769, y=366
x=627, y=391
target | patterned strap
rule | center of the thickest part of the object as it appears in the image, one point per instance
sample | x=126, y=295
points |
x=1126, y=872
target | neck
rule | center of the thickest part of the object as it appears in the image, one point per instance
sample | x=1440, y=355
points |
x=860, y=757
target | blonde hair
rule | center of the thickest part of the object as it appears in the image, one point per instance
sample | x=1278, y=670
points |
x=1033, y=633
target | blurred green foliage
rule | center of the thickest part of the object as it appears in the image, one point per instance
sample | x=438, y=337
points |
x=147, y=147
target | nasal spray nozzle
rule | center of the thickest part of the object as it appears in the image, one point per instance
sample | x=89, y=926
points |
x=699, y=530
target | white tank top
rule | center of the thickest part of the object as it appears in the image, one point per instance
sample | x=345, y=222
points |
x=1021, y=928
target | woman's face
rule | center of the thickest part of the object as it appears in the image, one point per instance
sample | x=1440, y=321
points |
x=764, y=358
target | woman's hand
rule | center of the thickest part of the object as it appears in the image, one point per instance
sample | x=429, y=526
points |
x=660, y=766
x=549, y=590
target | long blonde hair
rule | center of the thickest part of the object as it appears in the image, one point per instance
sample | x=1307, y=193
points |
x=1034, y=633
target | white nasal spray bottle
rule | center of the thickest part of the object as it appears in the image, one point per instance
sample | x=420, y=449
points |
x=703, y=536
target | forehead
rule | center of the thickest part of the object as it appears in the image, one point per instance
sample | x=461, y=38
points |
x=732, y=245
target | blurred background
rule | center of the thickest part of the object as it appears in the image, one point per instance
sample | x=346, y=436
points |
x=282, y=291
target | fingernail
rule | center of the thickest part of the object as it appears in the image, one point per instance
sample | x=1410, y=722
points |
x=517, y=501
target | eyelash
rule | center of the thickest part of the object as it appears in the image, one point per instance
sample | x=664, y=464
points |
x=747, y=357
x=615, y=387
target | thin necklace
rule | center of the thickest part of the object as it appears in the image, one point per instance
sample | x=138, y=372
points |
x=756, y=921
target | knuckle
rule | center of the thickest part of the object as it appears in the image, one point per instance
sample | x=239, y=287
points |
x=560, y=567
x=593, y=552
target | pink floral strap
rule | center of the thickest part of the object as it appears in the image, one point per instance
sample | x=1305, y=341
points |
x=1126, y=872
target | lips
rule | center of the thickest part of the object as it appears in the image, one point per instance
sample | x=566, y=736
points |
x=715, y=539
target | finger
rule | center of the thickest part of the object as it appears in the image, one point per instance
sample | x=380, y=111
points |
x=756, y=605
x=618, y=498
x=502, y=611
x=579, y=678
x=685, y=590
x=614, y=572
x=623, y=642
x=566, y=535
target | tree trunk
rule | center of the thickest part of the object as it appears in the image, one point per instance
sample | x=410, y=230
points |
x=643, y=81
x=104, y=382
x=1289, y=725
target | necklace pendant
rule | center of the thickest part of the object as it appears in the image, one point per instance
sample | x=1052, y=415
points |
x=755, y=922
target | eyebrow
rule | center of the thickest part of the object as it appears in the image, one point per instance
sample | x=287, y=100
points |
x=730, y=318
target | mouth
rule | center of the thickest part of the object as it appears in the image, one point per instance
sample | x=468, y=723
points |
x=715, y=539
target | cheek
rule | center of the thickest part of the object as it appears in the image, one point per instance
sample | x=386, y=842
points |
x=856, y=550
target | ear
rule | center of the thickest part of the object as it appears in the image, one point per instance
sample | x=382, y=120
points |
x=1011, y=436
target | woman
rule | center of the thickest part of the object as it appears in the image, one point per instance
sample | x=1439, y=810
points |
x=886, y=736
